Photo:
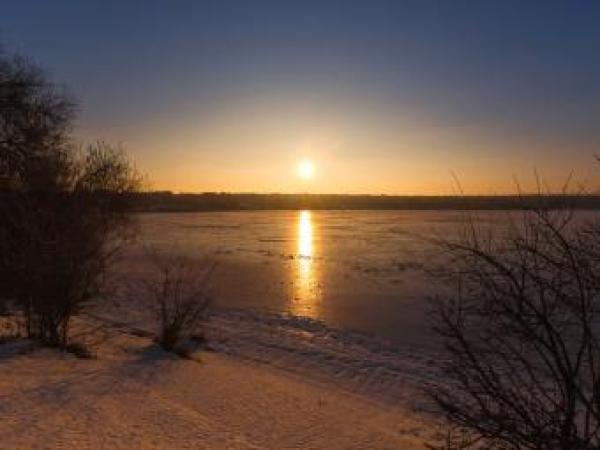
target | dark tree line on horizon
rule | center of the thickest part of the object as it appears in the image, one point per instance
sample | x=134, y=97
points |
x=165, y=201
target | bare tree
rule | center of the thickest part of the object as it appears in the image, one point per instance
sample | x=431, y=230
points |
x=35, y=119
x=521, y=329
x=177, y=288
x=63, y=210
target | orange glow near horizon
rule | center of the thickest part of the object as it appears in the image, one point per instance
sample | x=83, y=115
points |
x=404, y=101
x=262, y=146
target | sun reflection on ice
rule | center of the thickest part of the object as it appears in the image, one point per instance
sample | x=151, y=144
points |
x=305, y=286
x=305, y=236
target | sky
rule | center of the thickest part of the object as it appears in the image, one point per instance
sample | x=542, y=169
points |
x=381, y=97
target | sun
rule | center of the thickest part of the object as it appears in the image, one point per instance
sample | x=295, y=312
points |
x=306, y=169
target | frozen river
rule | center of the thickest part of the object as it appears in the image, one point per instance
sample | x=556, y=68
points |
x=357, y=270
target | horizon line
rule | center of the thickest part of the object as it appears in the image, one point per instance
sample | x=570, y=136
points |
x=456, y=195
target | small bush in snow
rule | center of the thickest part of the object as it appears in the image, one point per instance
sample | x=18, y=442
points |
x=178, y=292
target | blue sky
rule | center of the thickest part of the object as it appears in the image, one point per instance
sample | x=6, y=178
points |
x=382, y=96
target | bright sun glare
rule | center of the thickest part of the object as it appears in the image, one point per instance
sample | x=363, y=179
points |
x=305, y=169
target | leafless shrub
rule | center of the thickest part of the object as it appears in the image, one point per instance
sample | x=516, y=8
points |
x=521, y=329
x=64, y=210
x=177, y=288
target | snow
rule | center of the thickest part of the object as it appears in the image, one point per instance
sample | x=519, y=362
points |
x=266, y=381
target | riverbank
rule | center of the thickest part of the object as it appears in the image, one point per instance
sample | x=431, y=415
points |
x=275, y=392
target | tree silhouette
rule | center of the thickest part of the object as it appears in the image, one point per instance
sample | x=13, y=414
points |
x=63, y=209
x=521, y=330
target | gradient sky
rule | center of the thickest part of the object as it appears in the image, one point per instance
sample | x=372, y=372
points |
x=383, y=96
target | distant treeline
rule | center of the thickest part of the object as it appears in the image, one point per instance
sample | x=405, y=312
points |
x=170, y=202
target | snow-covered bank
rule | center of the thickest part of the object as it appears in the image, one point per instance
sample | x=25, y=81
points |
x=270, y=382
x=361, y=363
x=358, y=362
